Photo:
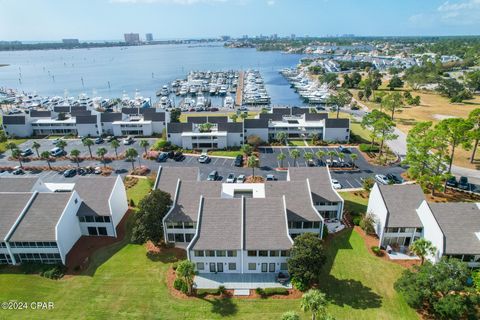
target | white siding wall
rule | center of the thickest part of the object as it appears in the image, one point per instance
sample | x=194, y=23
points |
x=431, y=230
x=107, y=128
x=336, y=134
x=18, y=130
x=224, y=260
x=109, y=226
x=376, y=206
x=259, y=260
x=158, y=126
x=234, y=139
x=87, y=129
x=175, y=138
x=118, y=202
x=67, y=229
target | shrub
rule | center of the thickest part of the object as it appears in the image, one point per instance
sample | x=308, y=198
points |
x=204, y=292
x=275, y=291
x=161, y=145
x=174, y=265
x=356, y=220
x=221, y=290
x=180, y=285
x=376, y=250
x=368, y=148
x=299, y=285
x=325, y=231
x=56, y=272
x=260, y=292
x=132, y=203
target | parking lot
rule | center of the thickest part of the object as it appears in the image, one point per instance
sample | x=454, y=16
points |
x=268, y=162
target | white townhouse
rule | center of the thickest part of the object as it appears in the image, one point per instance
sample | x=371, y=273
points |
x=245, y=228
x=403, y=215
x=41, y=222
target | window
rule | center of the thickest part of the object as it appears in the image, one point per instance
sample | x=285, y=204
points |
x=102, y=231
x=220, y=253
x=271, y=267
x=210, y=253
x=274, y=253
x=252, y=266
x=252, y=253
x=199, y=253
x=200, y=266
x=231, y=253
x=89, y=219
x=170, y=237
x=92, y=231
x=283, y=266
x=188, y=237
x=285, y=253
x=263, y=253
x=81, y=219
x=316, y=224
x=232, y=266
x=297, y=224
x=179, y=237
x=188, y=225
x=307, y=225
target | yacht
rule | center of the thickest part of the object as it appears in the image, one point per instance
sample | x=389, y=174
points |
x=163, y=91
x=228, y=103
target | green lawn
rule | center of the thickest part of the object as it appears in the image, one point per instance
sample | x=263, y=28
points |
x=139, y=190
x=354, y=203
x=362, y=134
x=296, y=143
x=123, y=283
x=223, y=153
x=3, y=145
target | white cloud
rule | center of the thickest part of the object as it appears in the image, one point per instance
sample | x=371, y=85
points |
x=456, y=13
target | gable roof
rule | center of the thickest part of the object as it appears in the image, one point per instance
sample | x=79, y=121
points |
x=12, y=205
x=154, y=116
x=86, y=119
x=168, y=177
x=95, y=193
x=337, y=123
x=40, y=114
x=320, y=183
x=110, y=116
x=402, y=202
x=265, y=225
x=459, y=222
x=12, y=120
x=179, y=127
x=219, y=226
x=23, y=184
x=255, y=123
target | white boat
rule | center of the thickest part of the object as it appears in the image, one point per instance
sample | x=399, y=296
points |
x=228, y=103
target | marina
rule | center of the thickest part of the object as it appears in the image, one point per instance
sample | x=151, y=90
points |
x=310, y=91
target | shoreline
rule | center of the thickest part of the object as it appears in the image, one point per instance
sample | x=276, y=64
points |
x=3, y=65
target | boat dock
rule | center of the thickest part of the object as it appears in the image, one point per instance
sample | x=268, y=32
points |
x=239, y=96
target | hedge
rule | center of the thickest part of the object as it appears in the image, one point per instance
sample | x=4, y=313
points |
x=368, y=148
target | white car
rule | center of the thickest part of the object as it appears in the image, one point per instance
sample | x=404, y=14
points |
x=204, y=158
x=382, y=179
x=241, y=178
x=336, y=184
x=128, y=140
x=231, y=178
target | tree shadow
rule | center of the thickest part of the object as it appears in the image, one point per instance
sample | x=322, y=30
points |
x=164, y=257
x=223, y=306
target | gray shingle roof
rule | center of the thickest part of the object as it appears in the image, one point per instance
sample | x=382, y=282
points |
x=13, y=119
x=130, y=110
x=230, y=127
x=256, y=123
x=220, y=225
x=316, y=116
x=178, y=127
x=272, y=116
x=40, y=114
x=95, y=193
x=17, y=184
x=110, y=116
x=402, y=202
x=84, y=119
x=42, y=216
x=299, y=205
x=337, y=123
x=320, y=183
x=188, y=198
x=12, y=205
x=282, y=111
x=459, y=223
x=169, y=177
x=80, y=113
x=78, y=108
x=61, y=109
x=265, y=225
x=154, y=116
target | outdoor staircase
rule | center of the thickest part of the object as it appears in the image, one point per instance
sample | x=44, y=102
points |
x=347, y=223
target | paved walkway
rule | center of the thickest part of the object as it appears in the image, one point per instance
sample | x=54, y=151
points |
x=238, y=281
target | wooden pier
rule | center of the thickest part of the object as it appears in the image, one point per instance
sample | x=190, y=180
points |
x=239, y=96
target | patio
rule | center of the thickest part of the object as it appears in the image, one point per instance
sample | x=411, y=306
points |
x=400, y=254
x=238, y=281
x=334, y=225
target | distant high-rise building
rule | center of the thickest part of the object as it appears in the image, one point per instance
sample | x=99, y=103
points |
x=70, y=41
x=148, y=37
x=348, y=35
x=225, y=38
x=274, y=36
x=131, y=38
x=245, y=36
x=292, y=36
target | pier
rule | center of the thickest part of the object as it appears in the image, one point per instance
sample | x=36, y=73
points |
x=239, y=96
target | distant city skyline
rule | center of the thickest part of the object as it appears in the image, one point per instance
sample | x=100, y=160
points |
x=186, y=19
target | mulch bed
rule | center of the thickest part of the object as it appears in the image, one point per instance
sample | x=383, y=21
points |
x=78, y=258
x=372, y=240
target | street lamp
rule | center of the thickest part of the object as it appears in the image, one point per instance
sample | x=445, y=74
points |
x=139, y=162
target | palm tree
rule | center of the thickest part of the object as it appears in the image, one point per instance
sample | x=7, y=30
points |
x=244, y=115
x=36, y=146
x=281, y=156
x=115, y=145
x=308, y=156
x=422, y=248
x=144, y=144
x=354, y=157
x=341, y=157
x=61, y=144
x=101, y=152
x=11, y=146
x=320, y=154
x=87, y=142
x=331, y=154
x=186, y=271
x=234, y=117
x=252, y=162
x=74, y=154
x=281, y=136
x=46, y=156
x=315, y=302
x=247, y=150
x=131, y=154
x=17, y=154
x=295, y=154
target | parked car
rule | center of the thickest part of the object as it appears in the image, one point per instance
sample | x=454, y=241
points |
x=336, y=184
x=26, y=152
x=98, y=170
x=241, y=178
x=463, y=183
x=110, y=138
x=128, y=140
x=69, y=173
x=381, y=178
x=271, y=177
x=239, y=161
x=394, y=178
x=57, y=152
x=55, y=141
x=452, y=182
x=344, y=150
x=17, y=170
x=99, y=140
x=162, y=157
x=178, y=156
x=204, y=158
x=231, y=178
x=311, y=163
x=89, y=170
x=212, y=176
x=82, y=171
x=171, y=154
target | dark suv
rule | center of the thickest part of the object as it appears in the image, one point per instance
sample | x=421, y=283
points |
x=238, y=161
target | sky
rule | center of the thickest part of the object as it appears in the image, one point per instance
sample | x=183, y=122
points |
x=43, y=20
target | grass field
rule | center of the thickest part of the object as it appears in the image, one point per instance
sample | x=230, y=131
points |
x=297, y=143
x=3, y=145
x=355, y=203
x=223, y=153
x=434, y=108
x=139, y=190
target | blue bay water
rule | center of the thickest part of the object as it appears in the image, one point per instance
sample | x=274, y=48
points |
x=142, y=68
